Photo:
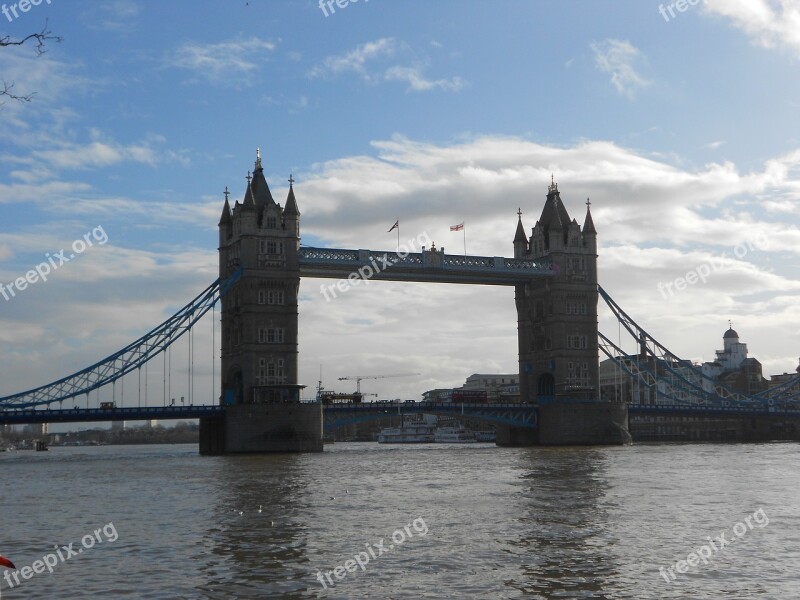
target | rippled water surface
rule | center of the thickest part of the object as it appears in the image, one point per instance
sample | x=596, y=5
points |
x=501, y=523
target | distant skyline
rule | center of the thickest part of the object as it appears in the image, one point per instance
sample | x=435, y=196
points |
x=682, y=132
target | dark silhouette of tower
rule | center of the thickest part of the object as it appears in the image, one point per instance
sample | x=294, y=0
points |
x=558, y=316
x=259, y=313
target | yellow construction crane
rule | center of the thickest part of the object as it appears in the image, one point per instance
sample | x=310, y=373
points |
x=358, y=378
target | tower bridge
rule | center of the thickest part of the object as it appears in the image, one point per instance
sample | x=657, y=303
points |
x=553, y=271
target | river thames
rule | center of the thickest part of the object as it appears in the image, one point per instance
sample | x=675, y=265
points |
x=422, y=521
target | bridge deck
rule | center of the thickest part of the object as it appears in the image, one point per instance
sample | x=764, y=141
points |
x=525, y=415
x=699, y=411
x=430, y=267
x=86, y=415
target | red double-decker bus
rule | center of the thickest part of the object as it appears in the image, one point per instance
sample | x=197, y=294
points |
x=469, y=396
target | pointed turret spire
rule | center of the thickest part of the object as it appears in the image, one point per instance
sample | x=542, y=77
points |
x=248, y=203
x=520, y=235
x=225, y=219
x=261, y=194
x=291, y=203
x=554, y=215
x=588, y=223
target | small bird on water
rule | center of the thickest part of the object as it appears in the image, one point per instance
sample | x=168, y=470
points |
x=4, y=562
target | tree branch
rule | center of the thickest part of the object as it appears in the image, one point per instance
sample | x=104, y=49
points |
x=5, y=90
x=41, y=38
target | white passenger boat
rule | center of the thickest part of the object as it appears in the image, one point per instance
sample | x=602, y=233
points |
x=408, y=433
x=486, y=436
x=454, y=435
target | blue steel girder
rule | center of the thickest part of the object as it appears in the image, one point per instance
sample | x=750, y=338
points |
x=686, y=390
x=87, y=415
x=789, y=391
x=515, y=415
x=129, y=358
x=698, y=411
x=652, y=347
x=428, y=266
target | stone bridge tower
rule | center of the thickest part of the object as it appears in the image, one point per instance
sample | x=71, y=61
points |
x=259, y=313
x=259, y=317
x=558, y=316
x=557, y=332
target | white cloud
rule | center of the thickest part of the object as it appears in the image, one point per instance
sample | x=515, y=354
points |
x=39, y=169
x=113, y=15
x=225, y=62
x=47, y=80
x=418, y=83
x=355, y=60
x=369, y=54
x=769, y=23
x=620, y=58
x=639, y=199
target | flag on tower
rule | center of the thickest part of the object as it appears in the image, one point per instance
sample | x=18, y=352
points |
x=395, y=226
x=460, y=227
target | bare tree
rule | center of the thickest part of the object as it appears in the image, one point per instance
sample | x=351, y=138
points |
x=39, y=40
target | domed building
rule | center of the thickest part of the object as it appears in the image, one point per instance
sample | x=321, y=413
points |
x=733, y=368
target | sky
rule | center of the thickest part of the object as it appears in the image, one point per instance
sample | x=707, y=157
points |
x=681, y=127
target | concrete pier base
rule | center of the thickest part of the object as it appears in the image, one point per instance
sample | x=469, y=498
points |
x=584, y=424
x=263, y=428
x=572, y=424
x=516, y=437
x=212, y=436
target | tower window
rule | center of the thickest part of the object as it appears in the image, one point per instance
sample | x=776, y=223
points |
x=275, y=370
x=576, y=265
x=576, y=342
x=576, y=308
x=270, y=335
x=272, y=223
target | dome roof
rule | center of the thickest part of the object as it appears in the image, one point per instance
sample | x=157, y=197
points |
x=731, y=333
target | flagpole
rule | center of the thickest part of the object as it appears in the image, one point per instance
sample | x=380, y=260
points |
x=398, y=234
x=464, y=229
